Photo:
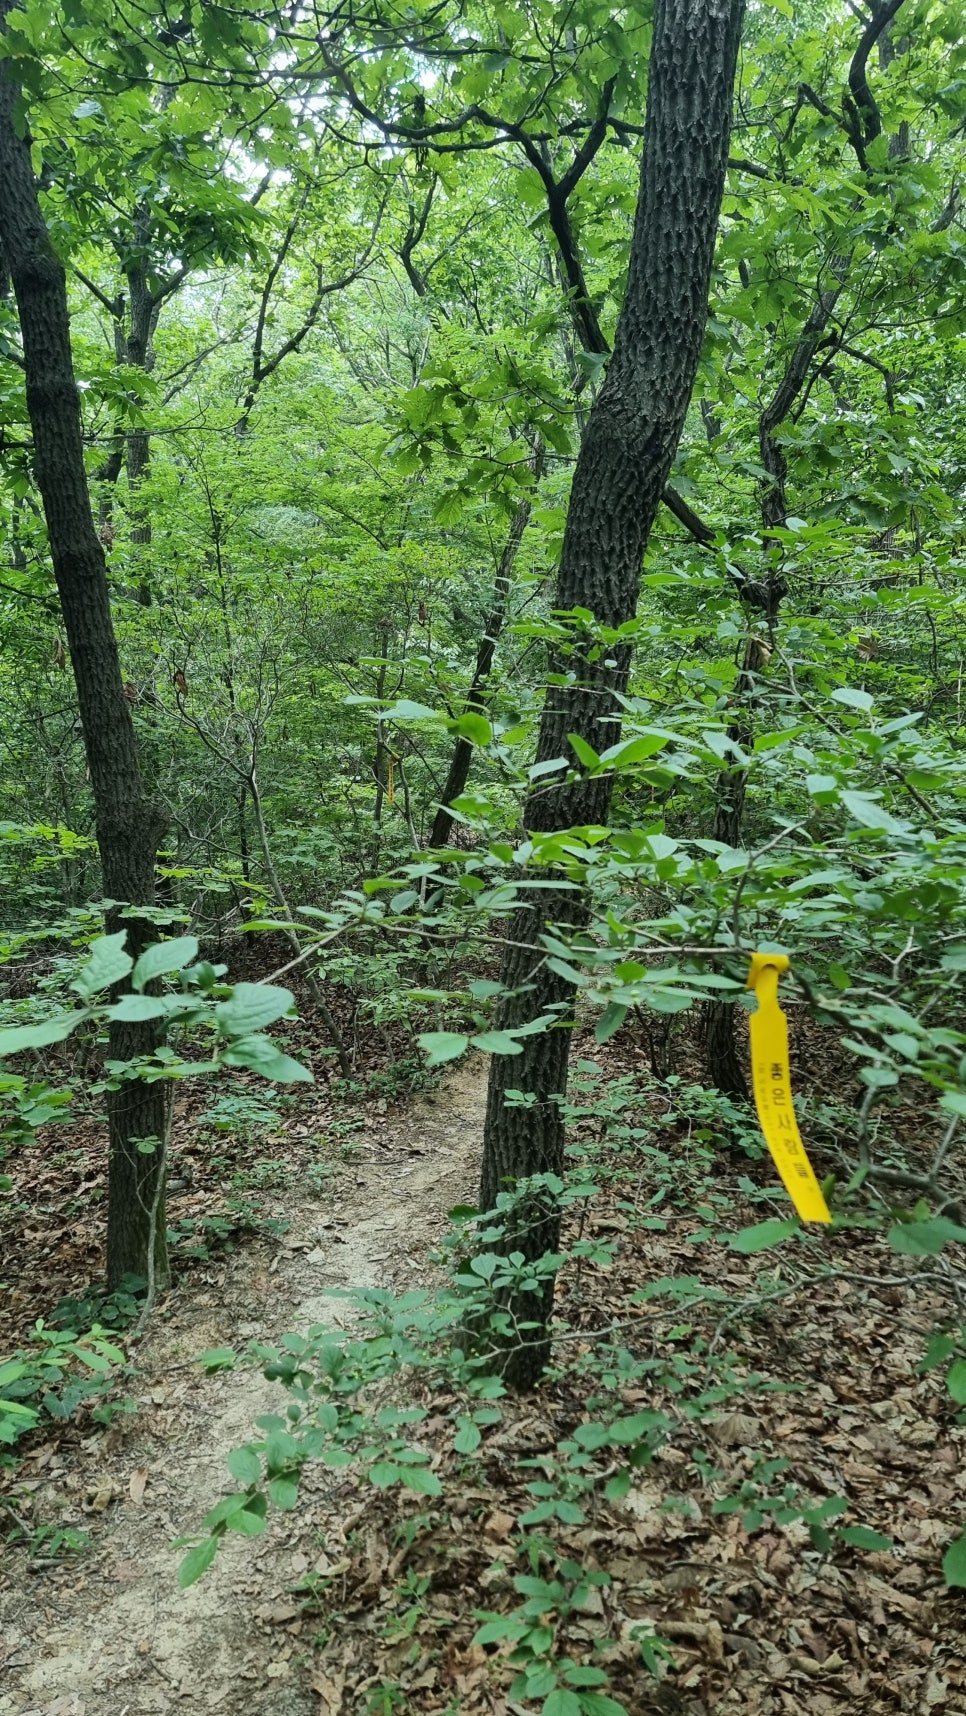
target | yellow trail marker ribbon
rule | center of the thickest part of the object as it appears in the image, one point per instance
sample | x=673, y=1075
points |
x=772, y=1082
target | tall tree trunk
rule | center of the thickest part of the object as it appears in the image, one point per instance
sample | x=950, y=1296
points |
x=626, y=454
x=129, y=826
x=476, y=696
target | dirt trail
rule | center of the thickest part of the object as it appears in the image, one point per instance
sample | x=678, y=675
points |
x=111, y=1635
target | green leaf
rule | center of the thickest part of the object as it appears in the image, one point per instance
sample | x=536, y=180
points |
x=244, y=1466
x=38, y=1036
x=954, y=1562
x=497, y=1043
x=246, y=1522
x=499, y=1628
x=468, y=1437
x=584, y=752
x=261, y=1055
x=217, y=1358
x=441, y=1046
x=107, y=964
x=861, y=1537
x=763, y=1235
x=162, y=957
x=870, y=813
x=852, y=698
x=405, y=710
x=383, y=1474
x=609, y=1022
x=422, y=1480
x=617, y=1487
x=137, y=1008
x=284, y=1493
x=197, y=1561
x=924, y=1238
x=252, y=1006
x=538, y=1679
x=956, y=1381
x=474, y=727
x=550, y=766
x=561, y=1703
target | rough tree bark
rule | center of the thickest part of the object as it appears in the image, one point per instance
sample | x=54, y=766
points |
x=128, y=825
x=625, y=457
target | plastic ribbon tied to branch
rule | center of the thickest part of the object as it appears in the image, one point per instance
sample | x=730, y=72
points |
x=772, y=1083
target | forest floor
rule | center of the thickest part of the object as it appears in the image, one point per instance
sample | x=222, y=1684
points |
x=756, y=1619
x=110, y=1632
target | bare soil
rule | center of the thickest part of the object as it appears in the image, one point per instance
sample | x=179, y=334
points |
x=109, y=1633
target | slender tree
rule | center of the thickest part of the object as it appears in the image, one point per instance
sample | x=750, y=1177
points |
x=626, y=454
x=129, y=825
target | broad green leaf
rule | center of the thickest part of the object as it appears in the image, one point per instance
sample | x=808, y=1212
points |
x=956, y=1381
x=162, y=957
x=106, y=965
x=852, y=698
x=246, y=1522
x=861, y=1537
x=244, y=1466
x=421, y=1480
x=217, y=1358
x=197, y=1561
x=954, y=1562
x=763, y=1235
x=384, y=1473
x=468, y=1437
x=610, y=1021
x=138, y=1008
x=20, y=1037
x=441, y=1046
x=497, y=1043
x=474, y=727
x=251, y=1007
x=561, y=1703
x=870, y=813
x=284, y=1493
x=261, y=1055
x=550, y=766
x=925, y=1238
x=405, y=710
x=584, y=752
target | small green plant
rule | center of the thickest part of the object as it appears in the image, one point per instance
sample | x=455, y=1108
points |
x=113, y=1310
x=51, y=1541
x=52, y=1376
x=759, y=1503
x=385, y=1700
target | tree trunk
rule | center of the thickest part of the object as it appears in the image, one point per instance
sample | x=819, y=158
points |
x=128, y=825
x=626, y=454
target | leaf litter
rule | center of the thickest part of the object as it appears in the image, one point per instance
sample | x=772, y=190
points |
x=754, y=1617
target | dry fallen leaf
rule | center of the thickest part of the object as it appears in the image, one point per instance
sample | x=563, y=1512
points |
x=736, y=1430
x=98, y=1496
x=138, y=1484
x=499, y=1525
x=330, y=1692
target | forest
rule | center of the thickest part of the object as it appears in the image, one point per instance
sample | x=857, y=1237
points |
x=483, y=857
